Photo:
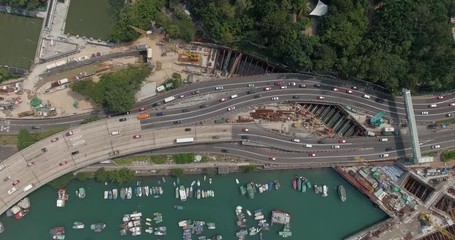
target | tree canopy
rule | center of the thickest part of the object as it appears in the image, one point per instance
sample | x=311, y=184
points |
x=114, y=91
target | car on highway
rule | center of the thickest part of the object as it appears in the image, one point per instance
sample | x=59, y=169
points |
x=354, y=88
x=244, y=137
x=452, y=104
x=284, y=87
x=349, y=92
x=383, y=139
x=219, y=88
x=250, y=85
x=160, y=114
x=113, y=153
x=302, y=86
x=185, y=110
x=390, y=149
x=16, y=182
x=317, y=85
x=295, y=97
x=272, y=158
x=63, y=163
x=136, y=136
x=281, y=83
x=335, y=89
x=384, y=155
x=342, y=141
x=224, y=150
x=142, y=109
x=204, y=106
x=54, y=139
x=223, y=99
x=267, y=88
x=436, y=146
x=440, y=97
x=380, y=100
x=195, y=92
x=70, y=133
x=245, y=130
x=250, y=92
x=292, y=84
x=257, y=96
x=215, y=137
x=36, y=127
x=177, y=121
x=335, y=146
x=182, y=96
x=230, y=109
x=74, y=153
x=312, y=154
x=321, y=97
x=187, y=129
x=122, y=120
x=275, y=98
x=424, y=113
x=449, y=114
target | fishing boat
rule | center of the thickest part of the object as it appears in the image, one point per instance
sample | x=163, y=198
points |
x=98, y=227
x=342, y=193
x=61, y=198
x=123, y=193
x=57, y=233
x=182, y=193
x=324, y=191
x=81, y=193
x=294, y=184
x=115, y=193
x=178, y=207
x=129, y=193
x=78, y=225
x=277, y=184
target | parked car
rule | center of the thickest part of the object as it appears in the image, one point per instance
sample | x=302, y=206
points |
x=245, y=130
x=195, y=92
x=335, y=89
x=70, y=133
x=312, y=154
x=436, y=146
x=272, y=158
x=122, y=120
x=74, y=153
x=177, y=121
x=321, y=97
x=267, y=88
x=142, y=109
x=223, y=99
x=136, y=136
x=54, y=139
x=230, y=109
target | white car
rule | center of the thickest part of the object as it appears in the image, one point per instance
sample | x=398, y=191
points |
x=335, y=146
x=275, y=98
x=451, y=104
x=245, y=130
x=267, y=88
x=335, y=89
x=342, y=141
x=424, y=113
x=312, y=155
x=349, y=92
x=292, y=84
x=321, y=97
x=440, y=97
x=436, y=146
x=230, y=109
x=284, y=87
x=219, y=88
x=384, y=155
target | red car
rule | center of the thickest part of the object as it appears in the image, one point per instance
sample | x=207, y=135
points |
x=223, y=99
x=267, y=88
x=63, y=163
x=141, y=109
x=137, y=136
x=54, y=139
x=16, y=182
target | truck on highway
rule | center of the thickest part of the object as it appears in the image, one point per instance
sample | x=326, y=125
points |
x=169, y=99
x=184, y=140
x=143, y=116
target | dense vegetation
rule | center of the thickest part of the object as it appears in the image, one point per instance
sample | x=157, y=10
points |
x=394, y=43
x=143, y=12
x=25, y=138
x=114, y=91
x=184, y=158
x=121, y=176
x=24, y=4
x=6, y=74
x=62, y=181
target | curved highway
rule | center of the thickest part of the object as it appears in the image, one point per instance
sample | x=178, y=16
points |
x=113, y=137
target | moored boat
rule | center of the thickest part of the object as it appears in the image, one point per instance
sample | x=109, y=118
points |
x=115, y=193
x=178, y=207
x=98, y=227
x=299, y=184
x=123, y=193
x=198, y=194
x=294, y=184
x=182, y=193
x=342, y=193
x=147, y=190
x=308, y=184
x=324, y=191
x=78, y=225
x=237, y=181
x=81, y=193
x=250, y=190
x=129, y=193
x=242, y=190
x=277, y=184
x=106, y=194
x=62, y=198
x=177, y=192
x=57, y=233
x=110, y=194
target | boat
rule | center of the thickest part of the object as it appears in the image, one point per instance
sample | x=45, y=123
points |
x=211, y=226
x=110, y=194
x=250, y=190
x=198, y=183
x=115, y=193
x=191, y=192
x=277, y=184
x=57, y=233
x=248, y=212
x=178, y=207
x=299, y=184
x=237, y=181
x=217, y=237
x=81, y=193
x=147, y=190
x=98, y=227
x=178, y=180
x=78, y=225
x=163, y=179
x=198, y=194
x=308, y=184
x=139, y=191
x=210, y=180
x=342, y=193
x=285, y=233
x=253, y=231
x=193, y=182
x=303, y=187
x=2, y=229
x=177, y=192
x=129, y=193
x=242, y=190
x=106, y=194
x=324, y=191
x=294, y=184
x=182, y=193
x=123, y=193
x=62, y=198
x=205, y=177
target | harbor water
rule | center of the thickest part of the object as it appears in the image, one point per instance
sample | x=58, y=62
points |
x=312, y=216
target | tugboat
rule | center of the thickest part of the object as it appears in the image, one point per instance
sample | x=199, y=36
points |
x=342, y=193
x=78, y=225
x=98, y=227
x=57, y=233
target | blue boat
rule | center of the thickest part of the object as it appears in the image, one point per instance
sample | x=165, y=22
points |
x=270, y=186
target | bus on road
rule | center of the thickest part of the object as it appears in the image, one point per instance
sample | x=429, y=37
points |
x=184, y=140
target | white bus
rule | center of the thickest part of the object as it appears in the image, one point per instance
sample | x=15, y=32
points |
x=169, y=99
x=184, y=140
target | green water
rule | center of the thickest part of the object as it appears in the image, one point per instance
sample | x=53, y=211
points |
x=18, y=40
x=312, y=217
x=93, y=18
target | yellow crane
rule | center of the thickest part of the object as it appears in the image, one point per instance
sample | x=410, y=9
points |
x=425, y=217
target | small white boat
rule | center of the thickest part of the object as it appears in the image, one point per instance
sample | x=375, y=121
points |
x=106, y=194
x=248, y=212
x=147, y=190
x=205, y=177
x=193, y=182
x=198, y=183
x=210, y=180
x=237, y=181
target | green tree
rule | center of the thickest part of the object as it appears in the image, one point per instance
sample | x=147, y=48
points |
x=62, y=182
x=25, y=139
x=177, y=172
x=101, y=175
x=83, y=176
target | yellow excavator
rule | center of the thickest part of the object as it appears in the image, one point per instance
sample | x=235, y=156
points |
x=425, y=217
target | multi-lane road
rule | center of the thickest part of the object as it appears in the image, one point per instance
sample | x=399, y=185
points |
x=94, y=142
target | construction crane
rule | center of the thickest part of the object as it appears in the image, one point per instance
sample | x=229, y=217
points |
x=425, y=218
x=376, y=120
